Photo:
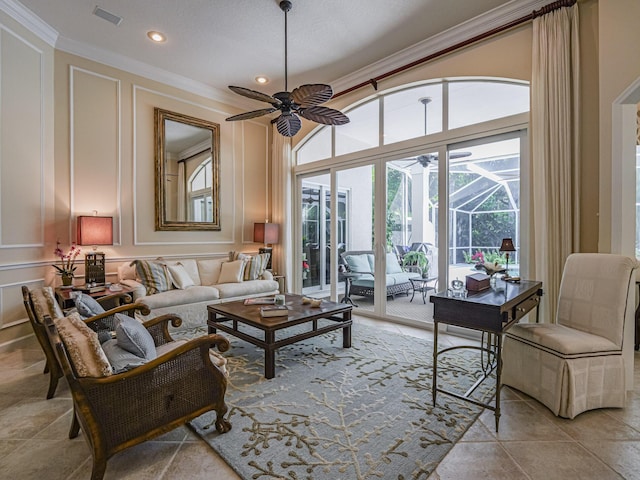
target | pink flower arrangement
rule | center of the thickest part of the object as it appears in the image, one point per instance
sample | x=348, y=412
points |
x=478, y=257
x=67, y=260
x=305, y=266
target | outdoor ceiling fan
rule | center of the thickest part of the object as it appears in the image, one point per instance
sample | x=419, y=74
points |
x=425, y=160
x=303, y=101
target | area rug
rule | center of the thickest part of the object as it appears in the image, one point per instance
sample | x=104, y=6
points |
x=332, y=413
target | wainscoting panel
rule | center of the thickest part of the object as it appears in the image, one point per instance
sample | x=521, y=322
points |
x=21, y=142
x=95, y=145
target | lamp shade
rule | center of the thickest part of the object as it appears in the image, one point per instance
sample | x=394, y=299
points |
x=94, y=230
x=507, y=245
x=266, y=233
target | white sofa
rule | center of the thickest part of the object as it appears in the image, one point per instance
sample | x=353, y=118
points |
x=190, y=301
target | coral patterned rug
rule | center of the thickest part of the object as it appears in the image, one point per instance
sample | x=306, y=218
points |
x=332, y=413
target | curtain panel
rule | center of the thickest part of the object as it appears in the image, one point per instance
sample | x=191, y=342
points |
x=281, y=160
x=555, y=156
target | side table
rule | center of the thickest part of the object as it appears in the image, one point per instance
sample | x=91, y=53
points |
x=63, y=295
x=282, y=282
x=422, y=285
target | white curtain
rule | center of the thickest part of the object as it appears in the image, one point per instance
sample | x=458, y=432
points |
x=182, y=194
x=282, y=166
x=555, y=156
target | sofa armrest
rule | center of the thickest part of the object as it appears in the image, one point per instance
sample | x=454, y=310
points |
x=266, y=275
x=139, y=290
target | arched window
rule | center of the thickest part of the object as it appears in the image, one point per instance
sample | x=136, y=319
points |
x=199, y=193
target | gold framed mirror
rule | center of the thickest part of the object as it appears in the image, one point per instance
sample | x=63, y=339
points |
x=187, y=152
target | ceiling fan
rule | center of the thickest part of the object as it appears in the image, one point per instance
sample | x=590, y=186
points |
x=303, y=101
x=425, y=160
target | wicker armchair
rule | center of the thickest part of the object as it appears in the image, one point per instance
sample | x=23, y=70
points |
x=38, y=305
x=122, y=410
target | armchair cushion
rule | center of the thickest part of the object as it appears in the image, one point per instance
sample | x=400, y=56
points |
x=134, y=338
x=121, y=360
x=44, y=303
x=83, y=346
x=88, y=306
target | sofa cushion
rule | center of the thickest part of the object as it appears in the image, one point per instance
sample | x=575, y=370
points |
x=179, y=276
x=127, y=271
x=83, y=347
x=209, y=270
x=255, y=266
x=134, y=337
x=231, y=272
x=153, y=275
x=358, y=263
x=190, y=266
x=250, y=287
x=170, y=298
x=393, y=266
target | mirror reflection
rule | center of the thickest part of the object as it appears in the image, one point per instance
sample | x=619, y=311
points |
x=187, y=183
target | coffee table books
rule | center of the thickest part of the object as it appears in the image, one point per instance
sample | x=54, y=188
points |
x=274, y=311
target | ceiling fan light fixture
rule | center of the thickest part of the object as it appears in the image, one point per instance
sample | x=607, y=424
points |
x=303, y=101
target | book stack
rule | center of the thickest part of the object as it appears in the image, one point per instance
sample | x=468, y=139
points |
x=274, y=311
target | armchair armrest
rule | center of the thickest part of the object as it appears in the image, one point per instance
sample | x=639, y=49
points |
x=158, y=327
x=115, y=299
x=104, y=320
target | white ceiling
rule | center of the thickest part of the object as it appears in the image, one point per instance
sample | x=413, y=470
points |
x=217, y=43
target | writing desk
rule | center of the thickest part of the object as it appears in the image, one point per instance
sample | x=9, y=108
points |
x=492, y=311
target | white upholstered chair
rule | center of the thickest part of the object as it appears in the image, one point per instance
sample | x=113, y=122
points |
x=576, y=364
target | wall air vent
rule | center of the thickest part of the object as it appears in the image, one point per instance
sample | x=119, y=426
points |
x=109, y=17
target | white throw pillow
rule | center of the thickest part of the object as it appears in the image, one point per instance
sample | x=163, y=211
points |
x=231, y=272
x=180, y=277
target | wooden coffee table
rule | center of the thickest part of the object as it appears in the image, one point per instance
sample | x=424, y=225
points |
x=227, y=317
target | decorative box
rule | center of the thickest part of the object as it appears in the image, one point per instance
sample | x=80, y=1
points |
x=477, y=282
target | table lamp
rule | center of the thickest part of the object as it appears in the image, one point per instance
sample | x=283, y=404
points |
x=507, y=246
x=266, y=233
x=94, y=230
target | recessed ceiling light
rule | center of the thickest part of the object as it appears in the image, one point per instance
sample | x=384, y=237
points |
x=262, y=80
x=156, y=36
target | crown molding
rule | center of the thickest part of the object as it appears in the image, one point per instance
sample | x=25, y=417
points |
x=476, y=26
x=145, y=70
x=30, y=21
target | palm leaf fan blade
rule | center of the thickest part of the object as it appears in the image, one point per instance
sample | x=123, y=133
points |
x=325, y=115
x=254, y=95
x=312, y=94
x=288, y=124
x=252, y=114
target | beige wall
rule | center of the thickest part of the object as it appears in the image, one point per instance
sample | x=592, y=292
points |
x=26, y=168
x=100, y=156
x=619, y=68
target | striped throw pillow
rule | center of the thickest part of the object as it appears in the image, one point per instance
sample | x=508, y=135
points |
x=255, y=266
x=153, y=275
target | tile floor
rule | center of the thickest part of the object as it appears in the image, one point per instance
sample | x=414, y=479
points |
x=532, y=443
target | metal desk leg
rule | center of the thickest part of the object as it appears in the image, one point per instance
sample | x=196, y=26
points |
x=498, y=374
x=434, y=383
